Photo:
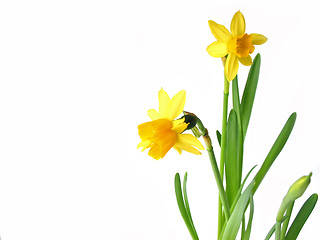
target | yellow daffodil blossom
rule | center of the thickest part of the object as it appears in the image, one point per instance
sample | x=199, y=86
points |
x=238, y=45
x=164, y=132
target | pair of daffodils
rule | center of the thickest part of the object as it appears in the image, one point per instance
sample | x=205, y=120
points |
x=164, y=132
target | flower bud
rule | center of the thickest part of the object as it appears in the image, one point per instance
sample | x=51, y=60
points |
x=299, y=187
x=295, y=191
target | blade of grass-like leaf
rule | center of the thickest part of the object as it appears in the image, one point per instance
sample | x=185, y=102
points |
x=233, y=224
x=301, y=217
x=246, y=234
x=272, y=230
x=218, y=137
x=275, y=150
x=249, y=93
x=270, y=233
x=182, y=208
x=240, y=189
x=231, y=160
x=236, y=107
x=235, y=95
x=186, y=201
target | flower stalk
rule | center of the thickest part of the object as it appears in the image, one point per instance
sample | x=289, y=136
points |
x=223, y=196
x=223, y=147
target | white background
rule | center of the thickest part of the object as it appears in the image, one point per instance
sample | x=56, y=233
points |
x=77, y=77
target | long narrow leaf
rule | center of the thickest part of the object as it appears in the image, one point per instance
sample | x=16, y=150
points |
x=240, y=189
x=249, y=93
x=186, y=201
x=182, y=208
x=233, y=224
x=301, y=217
x=246, y=235
x=237, y=108
x=273, y=228
x=275, y=150
x=231, y=160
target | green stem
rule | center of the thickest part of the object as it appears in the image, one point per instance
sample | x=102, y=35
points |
x=278, y=231
x=223, y=148
x=215, y=169
x=286, y=222
x=214, y=165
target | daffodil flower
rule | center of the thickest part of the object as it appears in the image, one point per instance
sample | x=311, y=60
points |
x=164, y=132
x=238, y=45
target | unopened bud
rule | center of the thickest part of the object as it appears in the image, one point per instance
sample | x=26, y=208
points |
x=299, y=187
x=295, y=191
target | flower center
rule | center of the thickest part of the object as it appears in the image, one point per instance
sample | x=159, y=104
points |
x=241, y=45
x=160, y=135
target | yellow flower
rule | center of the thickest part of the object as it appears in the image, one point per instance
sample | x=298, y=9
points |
x=237, y=44
x=163, y=132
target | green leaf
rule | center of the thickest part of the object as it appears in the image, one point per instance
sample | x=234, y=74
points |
x=231, y=159
x=273, y=228
x=218, y=137
x=182, y=208
x=301, y=217
x=249, y=93
x=275, y=150
x=246, y=234
x=235, y=94
x=240, y=189
x=237, y=108
x=233, y=224
x=186, y=201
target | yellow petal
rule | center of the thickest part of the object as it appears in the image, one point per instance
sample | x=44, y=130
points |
x=231, y=67
x=163, y=103
x=144, y=144
x=179, y=125
x=191, y=140
x=258, y=39
x=153, y=114
x=176, y=105
x=187, y=147
x=219, y=31
x=160, y=148
x=238, y=24
x=178, y=149
x=247, y=61
x=218, y=49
